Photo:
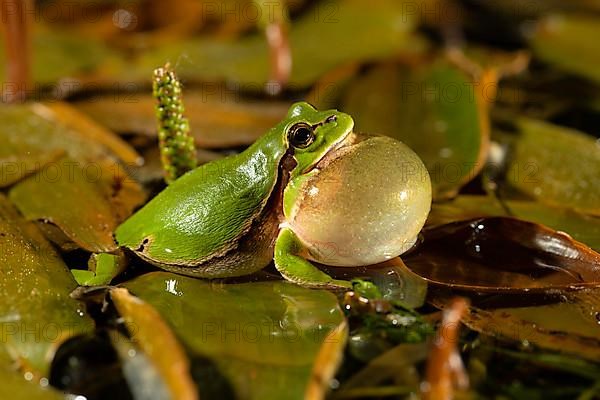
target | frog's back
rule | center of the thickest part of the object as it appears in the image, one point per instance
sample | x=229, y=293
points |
x=204, y=213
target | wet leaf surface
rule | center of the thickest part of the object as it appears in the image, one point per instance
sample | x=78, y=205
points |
x=36, y=312
x=263, y=337
x=433, y=109
x=564, y=323
x=581, y=227
x=74, y=201
x=157, y=341
x=556, y=165
x=501, y=254
x=35, y=135
x=68, y=116
x=86, y=194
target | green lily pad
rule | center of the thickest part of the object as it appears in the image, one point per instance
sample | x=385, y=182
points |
x=556, y=165
x=581, y=227
x=268, y=339
x=377, y=30
x=36, y=312
x=565, y=40
x=434, y=109
x=87, y=193
x=74, y=201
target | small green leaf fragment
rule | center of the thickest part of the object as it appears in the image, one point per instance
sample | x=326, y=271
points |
x=103, y=267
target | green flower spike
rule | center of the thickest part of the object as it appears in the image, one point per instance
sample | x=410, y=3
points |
x=177, y=150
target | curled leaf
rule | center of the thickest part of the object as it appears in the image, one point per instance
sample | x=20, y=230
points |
x=102, y=268
x=583, y=228
x=503, y=254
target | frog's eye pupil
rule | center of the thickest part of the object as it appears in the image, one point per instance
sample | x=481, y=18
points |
x=301, y=135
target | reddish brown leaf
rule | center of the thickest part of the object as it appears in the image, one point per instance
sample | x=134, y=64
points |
x=503, y=254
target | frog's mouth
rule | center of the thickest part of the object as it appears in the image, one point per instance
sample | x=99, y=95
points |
x=341, y=148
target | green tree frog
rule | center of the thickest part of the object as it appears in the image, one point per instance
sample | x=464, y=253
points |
x=309, y=190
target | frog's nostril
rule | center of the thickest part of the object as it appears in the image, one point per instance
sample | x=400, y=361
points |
x=332, y=118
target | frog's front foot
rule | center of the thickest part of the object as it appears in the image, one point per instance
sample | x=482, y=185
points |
x=298, y=270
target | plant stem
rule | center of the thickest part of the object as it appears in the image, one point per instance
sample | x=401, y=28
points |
x=15, y=24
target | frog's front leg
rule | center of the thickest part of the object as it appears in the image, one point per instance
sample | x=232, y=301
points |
x=298, y=270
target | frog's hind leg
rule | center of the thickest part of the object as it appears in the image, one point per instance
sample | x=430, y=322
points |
x=298, y=270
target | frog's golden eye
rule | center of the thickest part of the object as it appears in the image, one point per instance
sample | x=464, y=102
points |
x=301, y=135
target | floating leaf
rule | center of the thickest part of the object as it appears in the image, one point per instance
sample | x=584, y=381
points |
x=565, y=40
x=154, y=337
x=503, y=254
x=556, y=165
x=583, y=228
x=263, y=337
x=377, y=30
x=434, y=109
x=70, y=118
x=35, y=135
x=90, y=180
x=218, y=118
x=36, y=312
x=74, y=200
x=567, y=324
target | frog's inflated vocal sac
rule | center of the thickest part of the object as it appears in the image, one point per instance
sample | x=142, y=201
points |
x=307, y=190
